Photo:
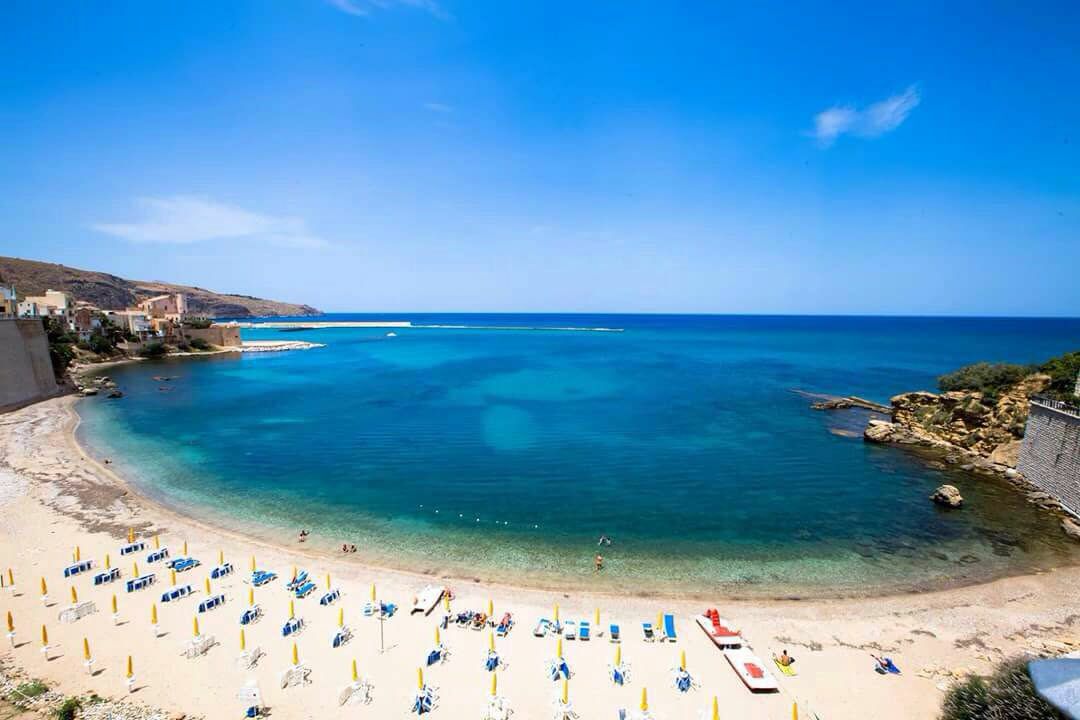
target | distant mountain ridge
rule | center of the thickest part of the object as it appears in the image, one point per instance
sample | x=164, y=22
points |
x=110, y=292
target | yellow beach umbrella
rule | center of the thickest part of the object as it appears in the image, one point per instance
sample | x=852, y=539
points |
x=135, y=569
x=644, y=699
x=420, y=678
x=682, y=660
x=208, y=591
x=172, y=577
x=715, y=708
x=252, y=563
x=10, y=622
x=659, y=622
x=195, y=626
x=220, y=557
x=794, y=711
x=86, y=649
x=436, y=635
x=130, y=668
x=558, y=647
x=153, y=614
x=341, y=617
x=494, y=684
x=556, y=613
x=294, y=573
x=292, y=609
x=114, y=604
x=131, y=535
x=44, y=637
x=295, y=655
x=44, y=588
x=157, y=543
x=491, y=608
x=618, y=655
x=327, y=581
x=596, y=619
x=372, y=592
x=108, y=563
x=74, y=596
x=78, y=554
x=251, y=596
x=10, y=578
x=243, y=641
x=491, y=641
x=446, y=601
x=565, y=691
x=355, y=675
x=185, y=548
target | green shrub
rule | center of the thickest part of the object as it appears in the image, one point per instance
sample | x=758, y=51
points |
x=987, y=378
x=28, y=690
x=101, y=344
x=68, y=709
x=153, y=350
x=199, y=323
x=1008, y=694
x=200, y=344
x=61, y=355
x=1062, y=371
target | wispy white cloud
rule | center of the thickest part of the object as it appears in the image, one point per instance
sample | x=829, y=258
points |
x=439, y=107
x=870, y=122
x=188, y=219
x=362, y=8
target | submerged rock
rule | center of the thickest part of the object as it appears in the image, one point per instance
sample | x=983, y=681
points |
x=948, y=496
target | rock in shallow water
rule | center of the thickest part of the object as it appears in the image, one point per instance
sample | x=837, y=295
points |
x=948, y=496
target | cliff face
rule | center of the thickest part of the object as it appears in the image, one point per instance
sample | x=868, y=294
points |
x=110, y=292
x=968, y=421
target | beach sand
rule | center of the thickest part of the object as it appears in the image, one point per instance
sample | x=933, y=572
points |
x=54, y=497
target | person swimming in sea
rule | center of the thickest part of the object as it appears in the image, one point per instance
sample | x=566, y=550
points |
x=604, y=540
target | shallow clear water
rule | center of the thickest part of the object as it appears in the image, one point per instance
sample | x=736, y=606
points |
x=504, y=454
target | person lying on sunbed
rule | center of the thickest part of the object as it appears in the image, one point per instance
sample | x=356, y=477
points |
x=784, y=659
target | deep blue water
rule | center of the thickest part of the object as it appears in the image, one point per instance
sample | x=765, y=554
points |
x=504, y=453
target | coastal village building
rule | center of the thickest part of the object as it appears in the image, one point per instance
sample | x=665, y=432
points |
x=133, y=322
x=85, y=320
x=52, y=304
x=9, y=304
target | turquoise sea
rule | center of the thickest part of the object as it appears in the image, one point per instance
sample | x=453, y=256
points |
x=503, y=454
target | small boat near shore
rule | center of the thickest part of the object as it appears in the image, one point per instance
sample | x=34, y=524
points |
x=718, y=629
x=751, y=670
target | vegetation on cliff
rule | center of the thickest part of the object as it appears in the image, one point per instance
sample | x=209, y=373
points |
x=110, y=292
x=1008, y=694
x=992, y=379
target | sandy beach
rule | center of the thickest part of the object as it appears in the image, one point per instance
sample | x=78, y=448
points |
x=54, y=498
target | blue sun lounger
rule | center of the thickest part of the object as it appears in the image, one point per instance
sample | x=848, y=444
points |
x=261, y=577
x=304, y=590
x=647, y=631
x=291, y=627
x=584, y=632
x=211, y=602
x=78, y=568
x=613, y=633
x=341, y=636
x=107, y=576
x=157, y=555
x=250, y=615
x=669, y=628
x=330, y=598
x=183, y=564
x=297, y=581
x=176, y=593
x=143, y=581
x=221, y=571
x=132, y=548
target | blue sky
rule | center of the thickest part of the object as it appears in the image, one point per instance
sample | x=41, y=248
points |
x=425, y=155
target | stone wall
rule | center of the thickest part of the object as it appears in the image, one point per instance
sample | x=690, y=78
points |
x=26, y=374
x=220, y=335
x=1050, y=454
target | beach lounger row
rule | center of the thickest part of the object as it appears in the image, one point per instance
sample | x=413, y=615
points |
x=252, y=614
x=297, y=581
x=661, y=634
x=211, y=602
x=157, y=555
x=132, y=548
x=291, y=627
x=262, y=577
x=305, y=589
x=330, y=598
x=379, y=609
x=78, y=568
x=221, y=571
x=341, y=636
x=176, y=593
x=107, y=576
x=139, y=583
x=504, y=625
x=183, y=564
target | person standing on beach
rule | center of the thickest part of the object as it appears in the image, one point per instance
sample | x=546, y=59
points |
x=599, y=562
